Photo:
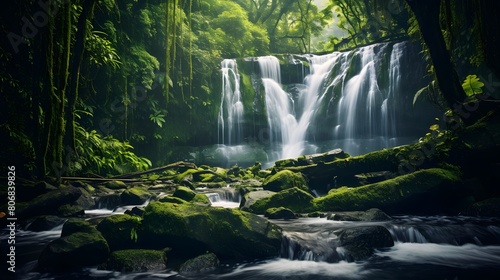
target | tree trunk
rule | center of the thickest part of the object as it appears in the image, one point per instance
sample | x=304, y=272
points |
x=427, y=15
x=76, y=60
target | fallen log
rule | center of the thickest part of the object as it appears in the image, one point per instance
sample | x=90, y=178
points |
x=179, y=164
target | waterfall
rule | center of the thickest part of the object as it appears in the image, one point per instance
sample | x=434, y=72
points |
x=231, y=107
x=359, y=101
x=388, y=110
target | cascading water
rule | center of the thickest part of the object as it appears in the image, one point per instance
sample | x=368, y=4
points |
x=359, y=101
x=231, y=107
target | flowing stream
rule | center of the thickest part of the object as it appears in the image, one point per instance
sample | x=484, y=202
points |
x=426, y=247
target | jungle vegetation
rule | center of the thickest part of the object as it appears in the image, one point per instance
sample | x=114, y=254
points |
x=83, y=82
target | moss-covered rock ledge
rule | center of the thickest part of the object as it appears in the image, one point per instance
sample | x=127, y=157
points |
x=437, y=187
x=195, y=229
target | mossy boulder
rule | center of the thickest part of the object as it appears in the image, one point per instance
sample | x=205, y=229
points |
x=75, y=225
x=184, y=193
x=294, y=199
x=51, y=202
x=201, y=199
x=186, y=176
x=410, y=193
x=116, y=185
x=194, y=229
x=172, y=199
x=283, y=180
x=205, y=263
x=251, y=197
x=73, y=251
x=359, y=242
x=117, y=229
x=323, y=157
x=286, y=162
x=135, y=196
x=280, y=213
x=187, y=195
x=138, y=260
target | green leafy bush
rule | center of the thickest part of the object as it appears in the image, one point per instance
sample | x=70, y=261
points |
x=106, y=155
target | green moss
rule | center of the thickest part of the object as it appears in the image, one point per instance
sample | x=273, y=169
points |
x=294, y=199
x=184, y=193
x=193, y=228
x=135, y=195
x=183, y=175
x=285, y=179
x=75, y=250
x=201, y=198
x=77, y=225
x=117, y=229
x=115, y=185
x=389, y=194
x=172, y=199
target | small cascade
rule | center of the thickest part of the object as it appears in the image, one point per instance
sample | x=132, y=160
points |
x=224, y=197
x=318, y=246
x=445, y=230
x=231, y=108
x=407, y=234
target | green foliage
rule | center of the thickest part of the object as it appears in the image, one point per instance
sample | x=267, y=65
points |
x=133, y=231
x=472, y=85
x=105, y=154
x=368, y=21
x=101, y=50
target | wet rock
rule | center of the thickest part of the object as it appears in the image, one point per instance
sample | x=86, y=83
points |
x=138, y=260
x=65, y=202
x=359, y=242
x=192, y=228
x=77, y=207
x=280, y=213
x=109, y=201
x=371, y=215
x=486, y=208
x=283, y=180
x=117, y=230
x=251, y=197
x=294, y=199
x=172, y=199
x=322, y=157
x=116, y=185
x=202, y=264
x=136, y=211
x=27, y=192
x=184, y=193
x=43, y=223
x=423, y=191
x=73, y=251
x=135, y=196
x=75, y=225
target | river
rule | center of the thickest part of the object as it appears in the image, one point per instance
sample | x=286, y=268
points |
x=426, y=247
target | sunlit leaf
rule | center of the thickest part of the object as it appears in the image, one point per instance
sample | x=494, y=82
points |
x=472, y=85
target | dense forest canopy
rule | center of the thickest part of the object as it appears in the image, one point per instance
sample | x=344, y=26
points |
x=83, y=81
